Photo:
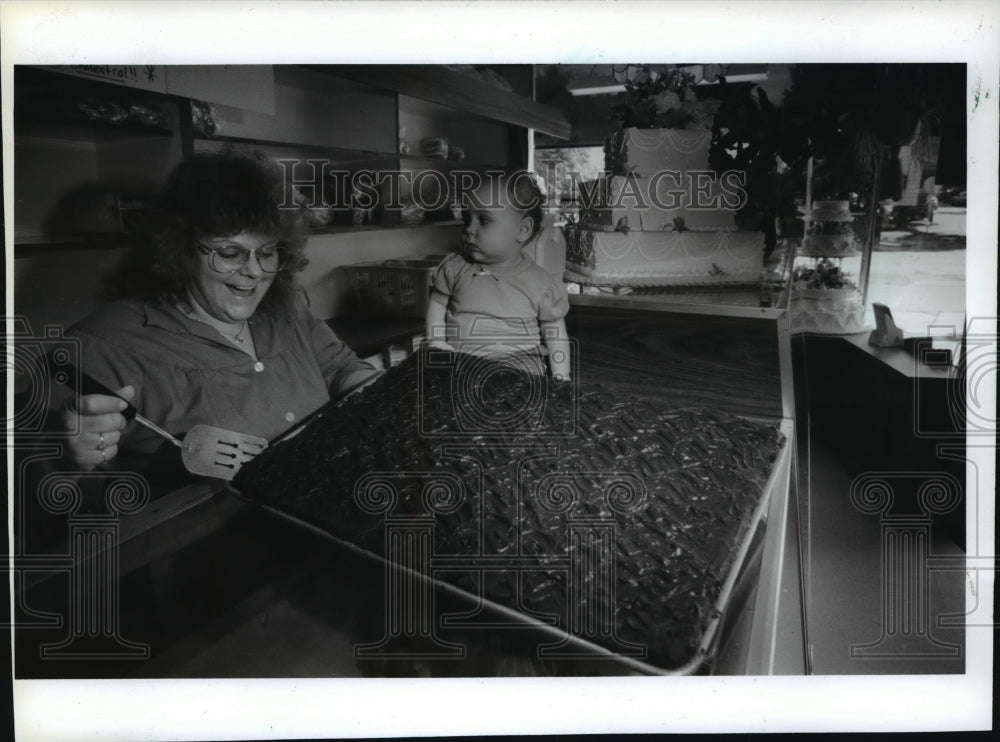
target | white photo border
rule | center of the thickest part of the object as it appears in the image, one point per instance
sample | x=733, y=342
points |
x=524, y=32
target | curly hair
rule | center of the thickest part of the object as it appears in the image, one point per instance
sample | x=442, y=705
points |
x=213, y=194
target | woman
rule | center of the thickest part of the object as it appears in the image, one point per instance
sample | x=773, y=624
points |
x=210, y=327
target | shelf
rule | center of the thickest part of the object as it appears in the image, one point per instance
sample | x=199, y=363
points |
x=341, y=228
x=47, y=106
x=431, y=163
x=37, y=243
x=583, y=144
x=338, y=154
x=30, y=127
x=60, y=151
x=454, y=90
x=349, y=156
x=734, y=302
x=816, y=256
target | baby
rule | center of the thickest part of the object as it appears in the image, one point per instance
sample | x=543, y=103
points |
x=489, y=299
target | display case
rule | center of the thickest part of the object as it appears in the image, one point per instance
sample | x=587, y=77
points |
x=285, y=599
x=826, y=284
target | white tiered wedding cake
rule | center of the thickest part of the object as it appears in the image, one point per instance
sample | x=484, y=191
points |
x=825, y=297
x=662, y=217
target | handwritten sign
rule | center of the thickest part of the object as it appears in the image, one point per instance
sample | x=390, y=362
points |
x=145, y=76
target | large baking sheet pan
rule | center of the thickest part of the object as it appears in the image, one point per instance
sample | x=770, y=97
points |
x=773, y=496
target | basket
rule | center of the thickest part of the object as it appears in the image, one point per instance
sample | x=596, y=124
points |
x=395, y=288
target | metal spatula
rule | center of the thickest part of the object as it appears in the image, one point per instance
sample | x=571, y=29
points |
x=205, y=450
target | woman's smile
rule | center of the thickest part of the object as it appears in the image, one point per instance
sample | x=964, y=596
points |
x=242, y=290
x=231, y=297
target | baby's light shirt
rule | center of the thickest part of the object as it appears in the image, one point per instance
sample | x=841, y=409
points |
x=484, y=303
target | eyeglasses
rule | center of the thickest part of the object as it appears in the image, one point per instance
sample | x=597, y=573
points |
x=230, y=258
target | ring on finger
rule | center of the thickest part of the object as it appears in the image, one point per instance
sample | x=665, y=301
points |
x=100, y=443
x=104, y=454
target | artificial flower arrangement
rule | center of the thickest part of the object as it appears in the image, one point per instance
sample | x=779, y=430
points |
x=655, y=100
x=826, y=274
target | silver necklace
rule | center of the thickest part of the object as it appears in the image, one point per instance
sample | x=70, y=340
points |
x=237, y=337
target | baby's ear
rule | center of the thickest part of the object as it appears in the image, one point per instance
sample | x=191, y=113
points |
x=525, y=230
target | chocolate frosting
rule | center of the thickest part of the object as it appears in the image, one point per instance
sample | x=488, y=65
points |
x=506, y=464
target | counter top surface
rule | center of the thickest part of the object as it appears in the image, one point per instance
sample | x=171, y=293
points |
x=736, y=302
x=722, y=361
x=368, y=335
x=901, y=360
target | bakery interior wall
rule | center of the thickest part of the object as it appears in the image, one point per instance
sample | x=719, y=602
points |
x=61, y=284
x=67, y=176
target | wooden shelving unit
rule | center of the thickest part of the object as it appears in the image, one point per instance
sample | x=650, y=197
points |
x=459, y=92
x=349, y=116
x=84, y=131
x=335, y=153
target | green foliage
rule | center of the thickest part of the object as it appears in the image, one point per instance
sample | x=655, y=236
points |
x=664, y=101
x=858, y=116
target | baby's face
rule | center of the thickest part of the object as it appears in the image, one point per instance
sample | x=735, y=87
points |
x=495, y=232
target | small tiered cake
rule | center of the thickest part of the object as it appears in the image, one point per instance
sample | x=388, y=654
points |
x=662, y=217
x=831, y=233
x=825, y=298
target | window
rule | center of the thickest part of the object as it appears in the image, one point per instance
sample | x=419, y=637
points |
x=918, y=270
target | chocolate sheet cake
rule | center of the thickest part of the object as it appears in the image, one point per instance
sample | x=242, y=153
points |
x=610, y=516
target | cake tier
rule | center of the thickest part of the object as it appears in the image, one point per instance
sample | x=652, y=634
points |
x=666, y=258
x=653, y=204
x=646, y=152
x=594, y=508
x=829, y=246
x=831, y=211
x=827, y=311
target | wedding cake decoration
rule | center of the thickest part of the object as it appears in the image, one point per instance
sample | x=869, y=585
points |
x=825, y=297
x=661, y=216
x=831, y=232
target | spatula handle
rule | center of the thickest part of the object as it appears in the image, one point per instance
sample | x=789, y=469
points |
x=84, y=383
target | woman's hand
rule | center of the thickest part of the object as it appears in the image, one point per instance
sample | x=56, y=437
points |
x=94, y=428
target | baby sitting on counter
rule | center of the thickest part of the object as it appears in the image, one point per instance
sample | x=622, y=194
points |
x=489, y=299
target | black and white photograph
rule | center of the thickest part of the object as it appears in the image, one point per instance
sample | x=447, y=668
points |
x=404, y=369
